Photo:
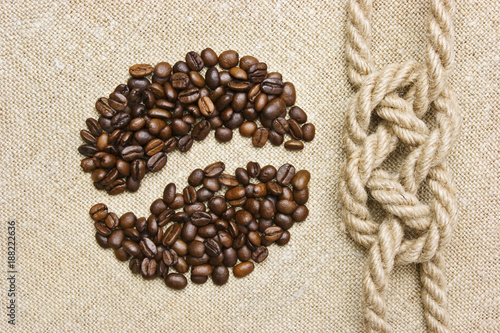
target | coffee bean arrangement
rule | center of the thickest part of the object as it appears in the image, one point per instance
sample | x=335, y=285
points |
x=200, y=231
x=163, y=108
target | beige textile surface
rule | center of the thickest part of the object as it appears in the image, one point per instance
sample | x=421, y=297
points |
x=58, y=57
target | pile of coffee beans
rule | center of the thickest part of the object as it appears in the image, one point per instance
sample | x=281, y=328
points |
x=163, y=108
x=204, y=232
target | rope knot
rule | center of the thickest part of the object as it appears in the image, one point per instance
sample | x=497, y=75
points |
x=409, y=106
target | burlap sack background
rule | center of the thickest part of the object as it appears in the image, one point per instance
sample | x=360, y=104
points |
x=58, y=57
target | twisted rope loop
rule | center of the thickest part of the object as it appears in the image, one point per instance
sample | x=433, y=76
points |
x=400, y=95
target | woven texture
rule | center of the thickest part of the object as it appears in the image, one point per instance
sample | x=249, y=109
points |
x=57, y=58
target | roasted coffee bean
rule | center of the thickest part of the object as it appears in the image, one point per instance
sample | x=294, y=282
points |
x=170, y=257
x=228, y=59
x=200, y=219
x=138, y=169
x=170, y=145
x=185, y=143
x=189, y=96
x=271, y=85
x=239, y=85
x=301, y=179
x=196, y=177
x=285, y=174
x=286, y=207
x=234, y=121
x=180, y=80
x=98, y=212
x=172, y=234
x=242, y=176
x=189, y=194
x=267, y=173
x=295, y=129
x=294, y=145
x=238, y=73
x=257, y=72
x=260, y=254
x=148, y=268
x=148, y=248
x=204, y=194
x=259, y=190
x=244, y=253
x=247, y=61
x=157, y=162
x=201, y=130
x=169, y=193
x=163, y=70
x=201, y=270
x=243, y=269
x=194, y=61
x=308, y=132
x=152, y=225
x=102, y=106
x=223, y=134
x=88, y=137
x=153, y=147
x=239, y=101
x=235, y=193
x=196, y=249
x=253, y=169
x=112, y=221
x=93, y=126
x=214, y=169
x=284, y=221
x=220, y=275
x=181, y=67
x=275, y=138
x=228, y=180
x=212, y=247
x=138, y=83
x=288, y=94
x=248, y=128
x=212, y=78
x=207, y=231
x=116, y=238
x=274, y=108
x=298, y=114
x=127, y=220
x=209, y=57
x=176, y=281
x=87, y=150
x=281, y=126
x=284, y=239
x=267, y=209
x=259, y=138
x=239, y=240
x=101, y=228
x=123, y=167
x=301, y=197
x=132, y=153
x=140, y=70
x=272, y=233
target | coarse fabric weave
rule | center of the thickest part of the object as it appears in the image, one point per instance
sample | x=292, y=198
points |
x=58, y=57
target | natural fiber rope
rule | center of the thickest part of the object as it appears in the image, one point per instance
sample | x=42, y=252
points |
x=401, y=95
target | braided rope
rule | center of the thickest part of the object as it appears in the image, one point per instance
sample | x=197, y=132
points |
x=401, y=95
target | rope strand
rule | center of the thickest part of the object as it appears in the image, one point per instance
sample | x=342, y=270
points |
x=411, y=231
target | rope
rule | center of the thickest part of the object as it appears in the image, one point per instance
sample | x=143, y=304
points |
x=401, y=95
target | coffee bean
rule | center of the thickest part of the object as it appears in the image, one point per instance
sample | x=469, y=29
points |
x=235, y=193
x=244, y=253
x=247, y=61
x=295, y=129
x=284, y=221
x=247, y=129
x=239, y=102
x=98, y=212
x=259, y=138
x=185, y=143
x=180, y=80
x=280, y=125
x=298, y=114
x=301, y=197
x=253, y=169
x=301, y=179
x=201, y=130
x=127, y=220
x=275, y=138
x=172, y=234
x=288, y=94
x=273, y=86
x=101, y=228
x=257, y=72
x=223, y=134
x=140, y=70
x=189, y=96
x=272, y=233
x=238, y=73
x=212, y=78
x=148, y=248
x=102, y=106
x=228, y=59
x=163, y=69
x=243, y=269
x=176, y=281
x=294, y=145
x=242, y=176
x=93, y=126
x=212, y=247
x=87, y=150
x=196, y=177
x=214, y=169
x=194, y=61
x=308, y=132
x=260, y=254
x=88, y=137
x=196, y=249
x=284, y=239
x=157, y=162
x=228, y=180
x=285, y=174
x=211, y=184
x=181, y=67
x=220, y=275
x=209, y=57
x=169, y=193
x=116, y=238
x=132, y=153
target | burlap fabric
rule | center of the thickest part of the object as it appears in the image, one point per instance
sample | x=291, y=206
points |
x=57, y=58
